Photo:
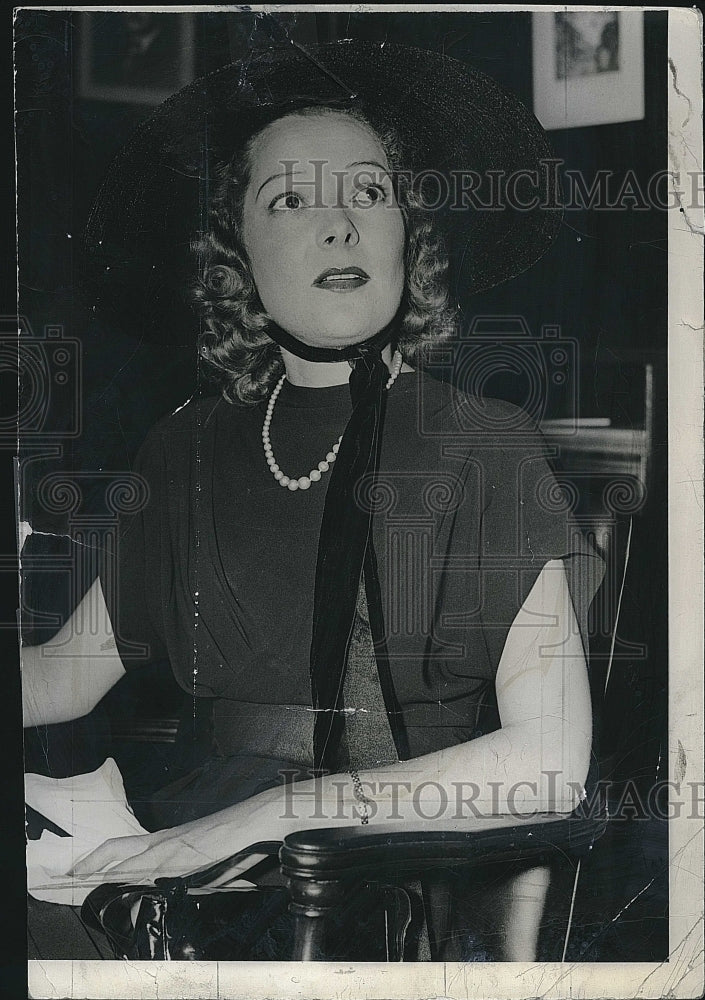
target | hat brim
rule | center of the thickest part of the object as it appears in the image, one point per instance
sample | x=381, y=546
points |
x=453, y=123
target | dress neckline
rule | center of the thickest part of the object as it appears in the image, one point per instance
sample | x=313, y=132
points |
x=324, y=397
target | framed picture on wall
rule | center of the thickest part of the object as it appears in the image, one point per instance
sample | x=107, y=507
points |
x=588, y=67
x=135, y=56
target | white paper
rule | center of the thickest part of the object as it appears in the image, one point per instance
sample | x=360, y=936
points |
x=92, y=808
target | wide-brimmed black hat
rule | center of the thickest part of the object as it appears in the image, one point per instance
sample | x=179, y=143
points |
x=480, y=158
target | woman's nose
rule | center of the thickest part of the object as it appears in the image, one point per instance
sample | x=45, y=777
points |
x=336, y=228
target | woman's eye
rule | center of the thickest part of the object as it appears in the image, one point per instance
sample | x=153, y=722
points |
x=287, y=202
x=368, y=196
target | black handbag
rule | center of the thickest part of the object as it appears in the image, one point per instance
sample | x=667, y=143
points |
x=198, y=917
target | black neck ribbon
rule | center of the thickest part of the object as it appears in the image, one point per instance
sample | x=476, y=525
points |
x=372, y=346
x=345, y=550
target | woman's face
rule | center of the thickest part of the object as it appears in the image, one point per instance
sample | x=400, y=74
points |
x=322, y=229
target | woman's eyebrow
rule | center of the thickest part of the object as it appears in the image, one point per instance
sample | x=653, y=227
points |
x=368, y=163
x=284, y=173
x=295, y=173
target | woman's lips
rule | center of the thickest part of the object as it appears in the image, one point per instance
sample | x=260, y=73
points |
x=341, y=279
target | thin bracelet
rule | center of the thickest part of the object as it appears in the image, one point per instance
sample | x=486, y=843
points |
x=360, y=796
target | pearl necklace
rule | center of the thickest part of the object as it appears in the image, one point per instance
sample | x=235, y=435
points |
x=303, y=482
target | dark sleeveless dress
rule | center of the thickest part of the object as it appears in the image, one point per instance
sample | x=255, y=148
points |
x=216, y=572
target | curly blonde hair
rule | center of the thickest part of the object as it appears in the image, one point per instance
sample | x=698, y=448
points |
x=238, y=353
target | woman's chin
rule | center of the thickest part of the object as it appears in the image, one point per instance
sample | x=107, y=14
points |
x=341, y=334
x=343, y=338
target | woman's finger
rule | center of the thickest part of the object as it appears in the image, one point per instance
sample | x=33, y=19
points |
x=168, y=858
x=116, y=850
x=157, y=862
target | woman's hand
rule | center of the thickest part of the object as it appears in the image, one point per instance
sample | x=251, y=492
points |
x=144, y=857
x=267, y=816
x=193, y=846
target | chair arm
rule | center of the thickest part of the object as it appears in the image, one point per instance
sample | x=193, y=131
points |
x=337, y=853
x=321, y=866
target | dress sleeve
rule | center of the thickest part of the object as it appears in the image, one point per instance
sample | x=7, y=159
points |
x=527, y=521
x=131, y=567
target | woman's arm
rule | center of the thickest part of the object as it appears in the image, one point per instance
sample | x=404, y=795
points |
x=67, y=676
x=537, y=761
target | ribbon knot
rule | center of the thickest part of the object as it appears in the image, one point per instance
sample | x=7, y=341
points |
x=369, y=374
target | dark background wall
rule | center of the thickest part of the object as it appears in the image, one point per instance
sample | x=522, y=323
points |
x=603, y=283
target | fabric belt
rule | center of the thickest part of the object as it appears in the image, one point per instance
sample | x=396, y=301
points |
x=281, y=731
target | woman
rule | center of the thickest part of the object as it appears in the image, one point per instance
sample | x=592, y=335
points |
x=266, y=564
